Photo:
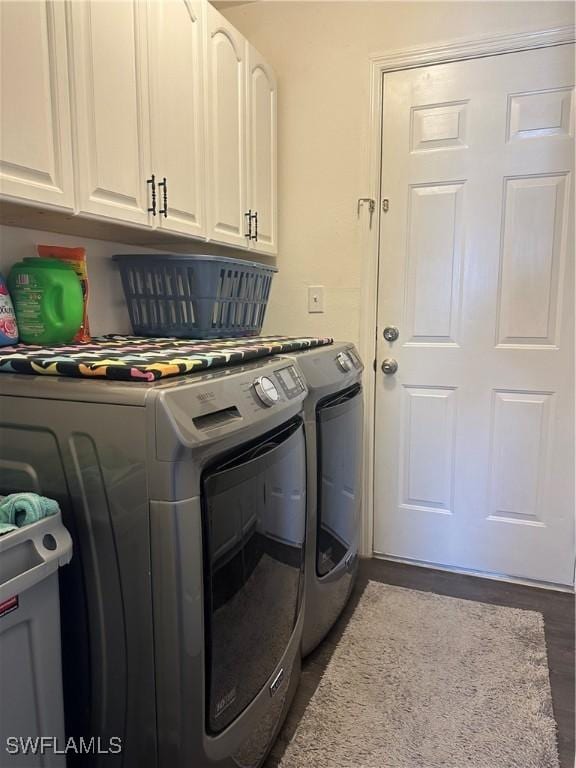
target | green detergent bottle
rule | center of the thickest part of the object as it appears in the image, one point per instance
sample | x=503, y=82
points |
x=47, y=298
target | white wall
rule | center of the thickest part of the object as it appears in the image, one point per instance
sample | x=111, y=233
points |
x=320, y=53
x=107, y=310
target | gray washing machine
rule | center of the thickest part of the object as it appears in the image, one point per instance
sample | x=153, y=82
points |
x=182, y=608
x=334, y=431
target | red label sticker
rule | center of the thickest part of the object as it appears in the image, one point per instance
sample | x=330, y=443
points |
x=8, y=605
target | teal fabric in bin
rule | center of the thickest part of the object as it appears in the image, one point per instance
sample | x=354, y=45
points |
x=19, y=509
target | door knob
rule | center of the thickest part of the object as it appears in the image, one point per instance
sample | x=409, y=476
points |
x=389, y=366
x=391, y=333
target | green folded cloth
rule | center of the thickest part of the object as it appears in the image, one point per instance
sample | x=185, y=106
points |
x=20, y=509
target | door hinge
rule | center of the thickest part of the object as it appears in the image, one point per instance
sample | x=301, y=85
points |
x=385, y=205
x=374, y=366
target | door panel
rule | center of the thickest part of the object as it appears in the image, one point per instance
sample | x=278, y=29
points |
x=520, y=432
x=262, y=151
x=35, y=129
x=177, y=112
x=427, y=459
x=474, y=433
x=435, y=251
x=112, y=105
x=439, y=127
x=530, y=260
x=226, y=64
x=543, y=113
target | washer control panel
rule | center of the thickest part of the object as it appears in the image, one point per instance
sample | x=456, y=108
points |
x=283, y=382
x=266, y=391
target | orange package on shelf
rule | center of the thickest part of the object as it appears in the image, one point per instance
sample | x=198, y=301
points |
x=76, y=257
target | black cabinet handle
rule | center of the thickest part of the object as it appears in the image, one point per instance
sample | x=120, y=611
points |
x=255, y=235
x=248, y=217
x=164, y=185
x=152, y=183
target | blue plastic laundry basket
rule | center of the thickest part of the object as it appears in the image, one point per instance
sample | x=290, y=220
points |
x=195, y=297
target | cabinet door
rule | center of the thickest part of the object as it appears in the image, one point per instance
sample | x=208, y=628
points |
x=35, y=130
x=175, y=35
x=226, y=62
x=262, y=152
x=111, y=84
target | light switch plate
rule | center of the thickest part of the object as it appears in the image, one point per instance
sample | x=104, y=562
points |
x=315, y=298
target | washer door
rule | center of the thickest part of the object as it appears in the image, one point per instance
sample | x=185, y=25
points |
x=254, y=522
x=339, y=436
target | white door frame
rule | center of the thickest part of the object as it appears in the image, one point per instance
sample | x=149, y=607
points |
x=379, y=65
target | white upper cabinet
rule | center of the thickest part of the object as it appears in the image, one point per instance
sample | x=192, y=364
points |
x=111, y=88
x=226, y=99
x=177, y=114
x=164, y=119
x=262, y=153
x=35, y=129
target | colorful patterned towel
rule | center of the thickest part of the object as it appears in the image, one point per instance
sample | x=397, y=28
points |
x=134, y=358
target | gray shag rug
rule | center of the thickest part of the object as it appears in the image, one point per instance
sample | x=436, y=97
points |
x=423, y=681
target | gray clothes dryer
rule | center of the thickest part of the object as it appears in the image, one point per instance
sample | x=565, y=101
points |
x=334, y=429
x=182, y=608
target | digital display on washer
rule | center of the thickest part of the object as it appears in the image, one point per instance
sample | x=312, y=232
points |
x=285, y=376
x=288, y=381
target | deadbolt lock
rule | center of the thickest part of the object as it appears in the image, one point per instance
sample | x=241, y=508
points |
x=391, y=333
x=389, y=366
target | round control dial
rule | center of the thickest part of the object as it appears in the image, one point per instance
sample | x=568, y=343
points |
x=266, y=391
x=344, y=362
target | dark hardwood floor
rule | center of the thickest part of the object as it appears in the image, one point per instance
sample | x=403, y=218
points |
x=556, y=607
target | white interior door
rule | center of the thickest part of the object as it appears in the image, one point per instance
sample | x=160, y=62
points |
x=35, y=130
x=177, y=113
x=474, y=445
x=226, y=63
x=111, y=84
x=262, y=159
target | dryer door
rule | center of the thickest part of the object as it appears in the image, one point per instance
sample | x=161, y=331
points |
x=339, y=449
x=254, y=520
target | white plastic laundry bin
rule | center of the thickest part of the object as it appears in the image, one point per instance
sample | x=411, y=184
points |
x=31, y=704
